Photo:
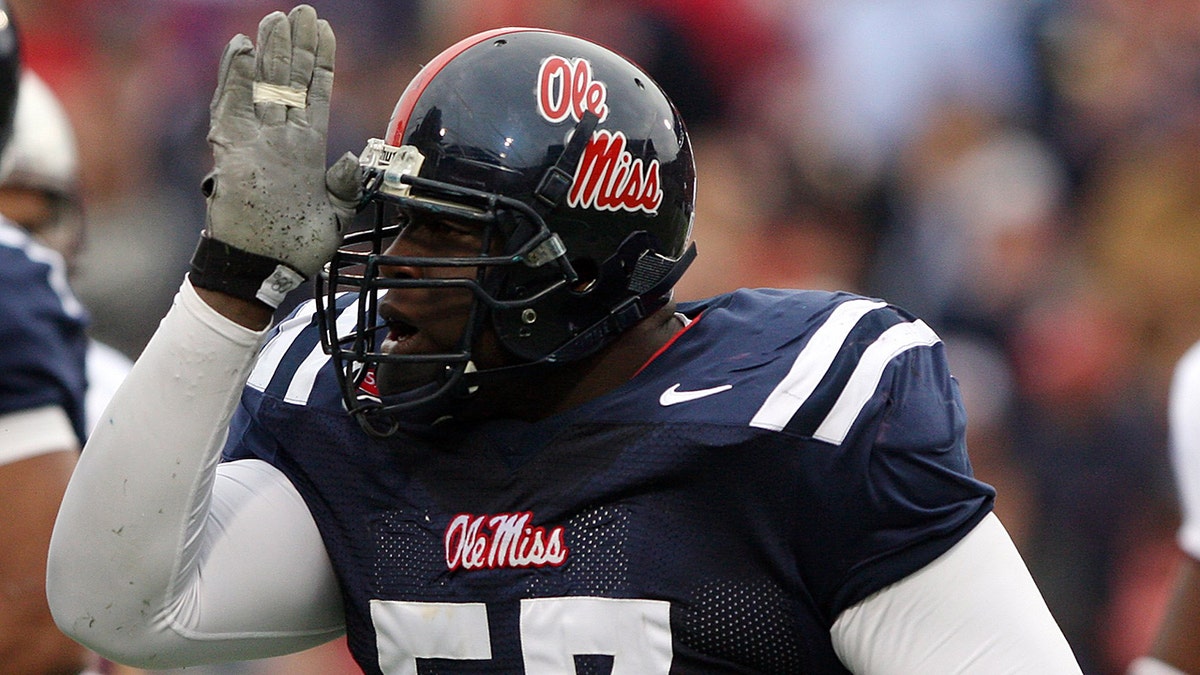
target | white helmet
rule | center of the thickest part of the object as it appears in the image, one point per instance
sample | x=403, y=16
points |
x=42, y=154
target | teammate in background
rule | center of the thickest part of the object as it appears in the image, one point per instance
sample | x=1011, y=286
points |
x=42, y=194
x=1176, y=648
x=547, y=466
x=42, y=383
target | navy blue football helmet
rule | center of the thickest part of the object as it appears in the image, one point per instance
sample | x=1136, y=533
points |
x=580, y=171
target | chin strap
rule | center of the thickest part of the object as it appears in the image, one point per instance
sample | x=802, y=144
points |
x=551, y=190
x=651, y=281
x=558, y=178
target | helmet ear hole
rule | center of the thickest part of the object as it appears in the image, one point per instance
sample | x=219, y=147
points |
x=588, y=272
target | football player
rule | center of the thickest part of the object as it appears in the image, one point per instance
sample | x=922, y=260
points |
x=42, y=194
x=493, y=442
x=1176, y=649
x=42, y=382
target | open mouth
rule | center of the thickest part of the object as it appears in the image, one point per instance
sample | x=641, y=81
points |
x=400, y=332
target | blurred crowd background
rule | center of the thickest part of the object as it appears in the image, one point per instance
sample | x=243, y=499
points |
x=1023, y=174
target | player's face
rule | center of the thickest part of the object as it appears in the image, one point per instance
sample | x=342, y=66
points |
x=428, y=320
x=52, y=219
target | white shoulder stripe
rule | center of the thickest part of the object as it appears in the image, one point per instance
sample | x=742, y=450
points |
x=811, y=364
x=862, y=383
x=277, y=347
x=305, y=378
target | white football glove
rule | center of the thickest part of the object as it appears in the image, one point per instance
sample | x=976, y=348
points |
x=275, y=215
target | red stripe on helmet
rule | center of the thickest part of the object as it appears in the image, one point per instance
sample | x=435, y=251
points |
x=412, y=93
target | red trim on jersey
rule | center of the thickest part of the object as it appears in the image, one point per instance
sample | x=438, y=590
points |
x=670, y=342
x=412, y=93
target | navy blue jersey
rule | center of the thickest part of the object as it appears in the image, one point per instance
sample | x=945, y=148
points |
x=43, y=342
x=790, y=453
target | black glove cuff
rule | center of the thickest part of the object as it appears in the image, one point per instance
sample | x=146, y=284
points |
x=218, y=266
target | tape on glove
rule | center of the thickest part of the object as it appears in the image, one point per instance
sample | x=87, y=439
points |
x=292, y=97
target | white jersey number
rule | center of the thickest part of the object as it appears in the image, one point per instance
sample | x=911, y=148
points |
x=636, y=633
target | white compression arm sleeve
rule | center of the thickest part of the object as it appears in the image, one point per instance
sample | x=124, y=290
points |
x=163, y=558
x=1185, y=446
x=975, y=609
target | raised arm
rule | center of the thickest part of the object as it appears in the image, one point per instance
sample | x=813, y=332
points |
x=162, y=556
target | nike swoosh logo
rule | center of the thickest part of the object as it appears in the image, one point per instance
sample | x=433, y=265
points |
x=672, y=395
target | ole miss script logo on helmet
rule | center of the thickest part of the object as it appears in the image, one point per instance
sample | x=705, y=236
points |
x=609, y=177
